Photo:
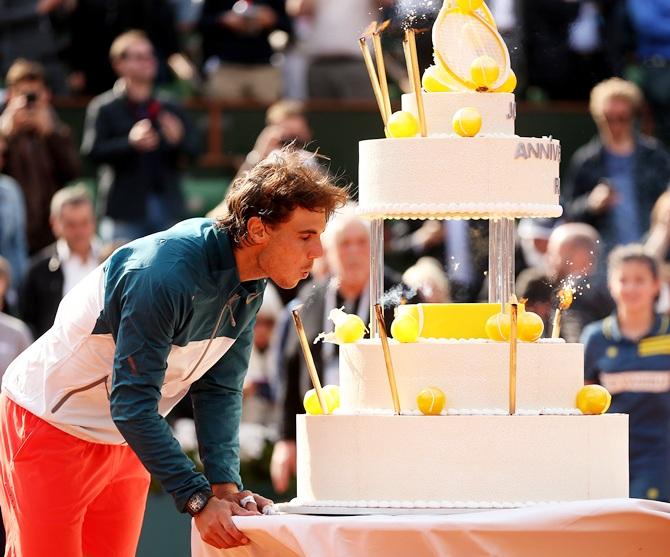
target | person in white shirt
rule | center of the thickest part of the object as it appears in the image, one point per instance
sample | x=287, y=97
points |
x=57, y=268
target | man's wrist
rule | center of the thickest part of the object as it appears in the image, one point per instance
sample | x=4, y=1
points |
x=221, y=490
x=198, y=501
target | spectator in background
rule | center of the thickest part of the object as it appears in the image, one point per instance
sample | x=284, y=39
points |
x=13, y=245
x=571, y=262
x=138, y=140
x=236, y=50
x=629, y=354
x=57, y=268
x=26, y=32
x=651, y=22
x=428, y=279
x=40, y=155
x=259, y=405
x=614, y=180
x=15, y=336
x=336, y=69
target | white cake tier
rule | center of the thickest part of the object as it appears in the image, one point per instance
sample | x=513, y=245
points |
x=482, y=460
x=498, y=110
x=473, y=374
x=459, y=177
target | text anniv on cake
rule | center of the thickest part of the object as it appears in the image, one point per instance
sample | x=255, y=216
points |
x=538, y=150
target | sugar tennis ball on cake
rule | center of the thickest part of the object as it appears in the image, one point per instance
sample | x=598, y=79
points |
x=509, y=85
x=348, y=326
x=593, y=399
x=405, y=328
x=431, y=401
x=467, y=122
x=484, y=72
x=332, y=391
x=402, y=124
x=498, y=326
x=529, y=326
x=469, y=5
x=432, y=81
x=312, y=405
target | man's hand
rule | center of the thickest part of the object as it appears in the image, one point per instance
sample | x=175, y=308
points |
x=215, y=522
x=16, y=117
x=282, y=466
x=143, y=137
x=602, y=198
x=172, y=128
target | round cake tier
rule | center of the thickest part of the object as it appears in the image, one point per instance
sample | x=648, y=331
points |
x=458, y=177
x=473, y=374
x=498, y=110
x=457, y=461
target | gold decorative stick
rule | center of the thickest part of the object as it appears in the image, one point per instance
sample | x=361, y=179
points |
x=379, y=314
x=514, y=314
x=415, y=78
x=374, y=80
x=565, y=297
x=309, y=360
x=408, y=61
x=381, y=67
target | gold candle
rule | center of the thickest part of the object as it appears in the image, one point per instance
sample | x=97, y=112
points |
x=408, y=60
x=387, y=357
x=374, y=80
x=514, y=313
x=309, y=360
x=415, y=78
x=381, y=68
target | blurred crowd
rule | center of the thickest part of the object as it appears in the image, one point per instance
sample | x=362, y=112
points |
x=613, y=53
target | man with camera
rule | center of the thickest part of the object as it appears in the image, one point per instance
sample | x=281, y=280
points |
x=41, y=156
x=138, y=140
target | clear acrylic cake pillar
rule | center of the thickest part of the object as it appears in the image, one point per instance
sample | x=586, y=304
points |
x=501, y=259
x=376, y=270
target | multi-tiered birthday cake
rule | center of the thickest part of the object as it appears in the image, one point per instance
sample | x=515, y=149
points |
x=485, y=447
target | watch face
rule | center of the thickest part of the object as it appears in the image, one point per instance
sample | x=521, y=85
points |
x=196, y=503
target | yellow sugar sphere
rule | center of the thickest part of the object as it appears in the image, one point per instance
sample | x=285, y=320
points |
x=529, y=326
x=432, y=82
x=484, y=72
x=405, y=328
x=350, y=328
x=498, y=326
x=509, y=85
x=402, y=124
x=333, y=392
x=593, y=399
x=431, y=401
x=469, y=5
x=467, y=122
x=312, y=405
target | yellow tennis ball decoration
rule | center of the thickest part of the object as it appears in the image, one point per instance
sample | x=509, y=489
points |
x=311, y=401
x=498, y=326
x=529, y=326
x=467, y=122
x=431, y=401
x=432, y=82
x=593, y=399
x=402, y=124
x=484, y=72
x=348, y=326
x=469, y=5
x=405, y=328
x=509, y=85
x=332, y=391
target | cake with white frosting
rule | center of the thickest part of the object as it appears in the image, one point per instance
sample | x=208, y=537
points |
x=487, y=448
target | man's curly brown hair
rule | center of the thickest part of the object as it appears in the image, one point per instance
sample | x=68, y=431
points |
x=274, y=188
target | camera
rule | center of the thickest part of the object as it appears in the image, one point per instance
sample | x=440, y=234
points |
x=31, y=99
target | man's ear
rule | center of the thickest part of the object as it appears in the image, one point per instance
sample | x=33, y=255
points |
x=256, y=231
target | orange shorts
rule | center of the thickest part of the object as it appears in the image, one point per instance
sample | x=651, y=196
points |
x=65, y=497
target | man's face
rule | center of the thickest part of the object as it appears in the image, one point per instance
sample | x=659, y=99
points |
x=138, y=62
x=618, y=117
x=35, y=93
x=295, y=128
x=350, y=259
x=76, y=225
x=292, y=246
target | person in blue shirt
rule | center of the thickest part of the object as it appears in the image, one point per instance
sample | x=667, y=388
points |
x=629, y=354
x=82, y=410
